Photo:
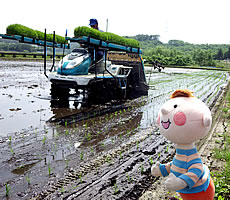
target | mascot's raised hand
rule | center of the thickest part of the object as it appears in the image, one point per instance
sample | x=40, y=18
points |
x=184, y=119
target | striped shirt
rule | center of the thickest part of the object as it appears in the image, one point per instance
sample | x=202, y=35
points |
x=188, y=166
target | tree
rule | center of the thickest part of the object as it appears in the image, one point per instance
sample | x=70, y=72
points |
x=203, y=57
x=227, y=54
x=220, y=55
x=176, y=43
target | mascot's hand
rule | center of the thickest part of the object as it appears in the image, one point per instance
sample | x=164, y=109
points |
x=155, y=170
x=173, y=183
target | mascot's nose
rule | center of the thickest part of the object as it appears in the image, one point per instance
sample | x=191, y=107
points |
x=164, y=111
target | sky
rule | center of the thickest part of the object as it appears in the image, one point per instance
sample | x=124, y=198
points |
x=193, y=21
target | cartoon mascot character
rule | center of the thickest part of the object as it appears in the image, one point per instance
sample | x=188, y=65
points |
x=184, y=119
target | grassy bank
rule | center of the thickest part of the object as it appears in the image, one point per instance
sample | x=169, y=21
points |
x=220, y=65
x=221, y=175
x=27, y=58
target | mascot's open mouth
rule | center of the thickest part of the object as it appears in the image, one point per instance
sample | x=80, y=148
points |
x=166, y=125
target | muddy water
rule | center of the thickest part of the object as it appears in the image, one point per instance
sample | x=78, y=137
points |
x=35, y=151
x=20, y=83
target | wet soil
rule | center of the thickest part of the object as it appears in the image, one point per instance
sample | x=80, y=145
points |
x=69, y=151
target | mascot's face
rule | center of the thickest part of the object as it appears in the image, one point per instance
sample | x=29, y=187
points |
x=184, y=120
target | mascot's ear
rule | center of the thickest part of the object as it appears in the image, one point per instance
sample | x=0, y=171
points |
x=207, y=120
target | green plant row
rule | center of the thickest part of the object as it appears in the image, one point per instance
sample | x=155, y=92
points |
x=105, y=36
x=18, y=29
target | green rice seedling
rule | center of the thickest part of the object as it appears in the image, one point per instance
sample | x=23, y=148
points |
x=10, y=140
x=80, y=177
x=86, y=125
x=120, y=153
x=105, y=36
x=44, y=140
x=108, y=159
x=40, y=35
x=11, y=150
x=67, y=132
x=137, y=144
x=18, y=29
x=20, y=167
x=217, y=141
x=60, y=39
x=49, y=169
x=65, y=123
x=36, y=132
x=62, y=189
x=7, y=186
x=91, y=150
x=128, y=133
x=159, y=154
x=81, y=156
x=128, y=178
x=88, y=136
x=28, y=179
x=116, y=189
x=167, y=149
x=151, y=161
x=142, y=169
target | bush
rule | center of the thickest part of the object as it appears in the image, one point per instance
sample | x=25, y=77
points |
x=18, y=29
x=105, y=36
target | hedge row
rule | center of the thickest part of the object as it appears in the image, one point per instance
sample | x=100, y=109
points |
x=105, y=36
x=18, y=29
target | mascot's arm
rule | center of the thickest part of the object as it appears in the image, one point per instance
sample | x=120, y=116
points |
x=189, y=179
x=160, y=169
x=192, y=176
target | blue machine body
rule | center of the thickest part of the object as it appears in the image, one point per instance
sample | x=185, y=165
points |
x=75, y=63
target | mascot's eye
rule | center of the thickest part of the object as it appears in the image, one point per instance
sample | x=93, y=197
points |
x=175, y=106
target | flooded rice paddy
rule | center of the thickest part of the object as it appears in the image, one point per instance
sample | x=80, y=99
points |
x=107, y=156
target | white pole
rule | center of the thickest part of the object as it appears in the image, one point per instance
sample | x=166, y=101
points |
x=107, y=23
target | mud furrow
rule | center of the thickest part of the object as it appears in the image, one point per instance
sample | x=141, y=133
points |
x=120, y=177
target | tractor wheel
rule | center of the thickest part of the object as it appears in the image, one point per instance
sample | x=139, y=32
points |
x=58, y=92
